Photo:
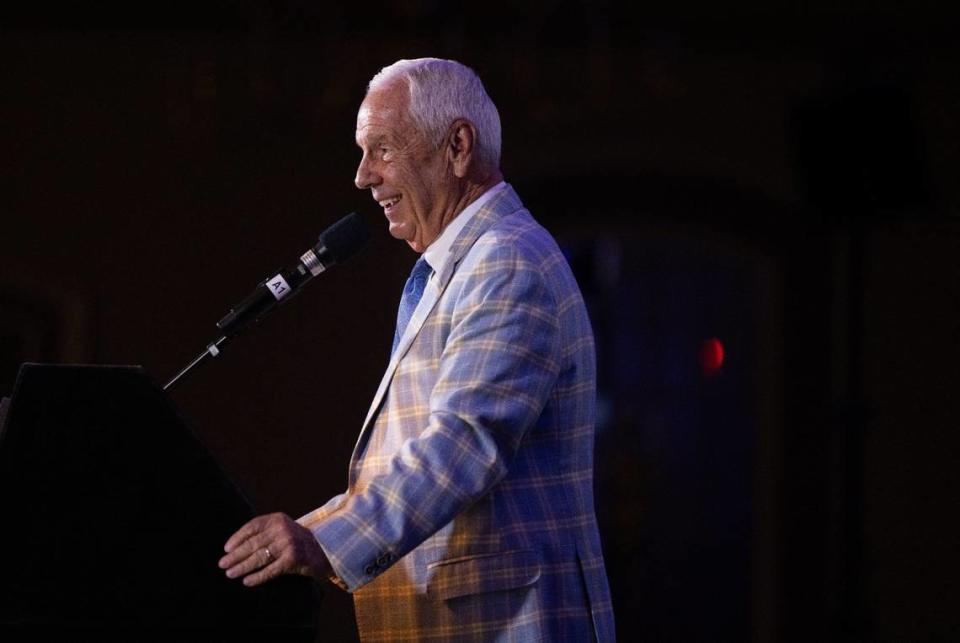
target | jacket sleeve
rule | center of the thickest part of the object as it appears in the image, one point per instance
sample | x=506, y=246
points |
x=498, y=366
x=310, y=519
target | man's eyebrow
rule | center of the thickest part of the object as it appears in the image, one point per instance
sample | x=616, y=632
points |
x=380, y=138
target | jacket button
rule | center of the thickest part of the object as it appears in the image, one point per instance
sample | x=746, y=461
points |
x=369, y=570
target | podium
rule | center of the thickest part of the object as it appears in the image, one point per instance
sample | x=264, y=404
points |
x=114, y=517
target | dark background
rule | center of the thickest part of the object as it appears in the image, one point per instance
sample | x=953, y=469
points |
x=779, y=176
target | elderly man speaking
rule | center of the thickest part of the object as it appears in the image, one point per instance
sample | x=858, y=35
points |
x=468, y=513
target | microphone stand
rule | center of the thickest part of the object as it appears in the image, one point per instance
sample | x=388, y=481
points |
x=213, y=350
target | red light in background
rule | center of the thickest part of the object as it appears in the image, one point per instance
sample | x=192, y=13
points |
x=711, y=356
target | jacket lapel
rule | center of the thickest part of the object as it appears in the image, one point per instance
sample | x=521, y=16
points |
x=506, y=202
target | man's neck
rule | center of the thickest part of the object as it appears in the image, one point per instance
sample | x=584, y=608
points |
x=472, y=191
x=437, y=253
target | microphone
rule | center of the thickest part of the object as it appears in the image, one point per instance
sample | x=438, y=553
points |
x=337, y=244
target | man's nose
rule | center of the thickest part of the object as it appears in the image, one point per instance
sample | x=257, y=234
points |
x=366, y=177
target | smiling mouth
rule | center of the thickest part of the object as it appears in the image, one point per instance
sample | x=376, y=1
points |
x=388, y=204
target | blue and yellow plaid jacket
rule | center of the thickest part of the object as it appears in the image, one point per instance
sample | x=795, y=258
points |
x=469, y=510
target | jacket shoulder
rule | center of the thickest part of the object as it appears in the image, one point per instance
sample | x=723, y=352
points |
x=519, y=237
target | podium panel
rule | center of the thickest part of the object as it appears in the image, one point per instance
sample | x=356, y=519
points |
x=115, y=515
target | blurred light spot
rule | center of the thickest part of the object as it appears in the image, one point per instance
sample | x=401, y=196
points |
x=711, y=356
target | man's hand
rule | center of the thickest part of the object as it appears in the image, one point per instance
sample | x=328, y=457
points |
x=271, y=545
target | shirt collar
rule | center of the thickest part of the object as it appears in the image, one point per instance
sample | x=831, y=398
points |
x=437, y=253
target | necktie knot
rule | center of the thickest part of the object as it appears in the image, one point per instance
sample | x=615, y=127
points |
x=412, y=292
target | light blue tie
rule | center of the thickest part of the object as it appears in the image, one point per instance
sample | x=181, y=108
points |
x=412, y=292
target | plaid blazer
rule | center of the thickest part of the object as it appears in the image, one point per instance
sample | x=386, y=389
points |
x=469, y=510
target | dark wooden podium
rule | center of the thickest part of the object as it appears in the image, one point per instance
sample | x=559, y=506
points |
x=114, y=516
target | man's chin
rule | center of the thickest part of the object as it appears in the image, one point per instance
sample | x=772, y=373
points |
x=403, y=232
x=416, y=247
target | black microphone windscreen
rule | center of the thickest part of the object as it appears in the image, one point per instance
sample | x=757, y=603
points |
x=345, y=237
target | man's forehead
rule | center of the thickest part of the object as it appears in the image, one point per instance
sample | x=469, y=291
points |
x=372, y=125
x=382, y=110
x=390, y=99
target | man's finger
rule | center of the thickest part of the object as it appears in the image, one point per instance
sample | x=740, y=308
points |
x=249, y=548
x=269, y=572
x=256, y=560
x=252, y=528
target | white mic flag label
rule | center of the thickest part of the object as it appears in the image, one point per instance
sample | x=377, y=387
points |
x=278, y=287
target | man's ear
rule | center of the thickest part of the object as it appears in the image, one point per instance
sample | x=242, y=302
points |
x=462, y=146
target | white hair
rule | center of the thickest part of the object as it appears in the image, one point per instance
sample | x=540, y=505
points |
x=441, y=91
